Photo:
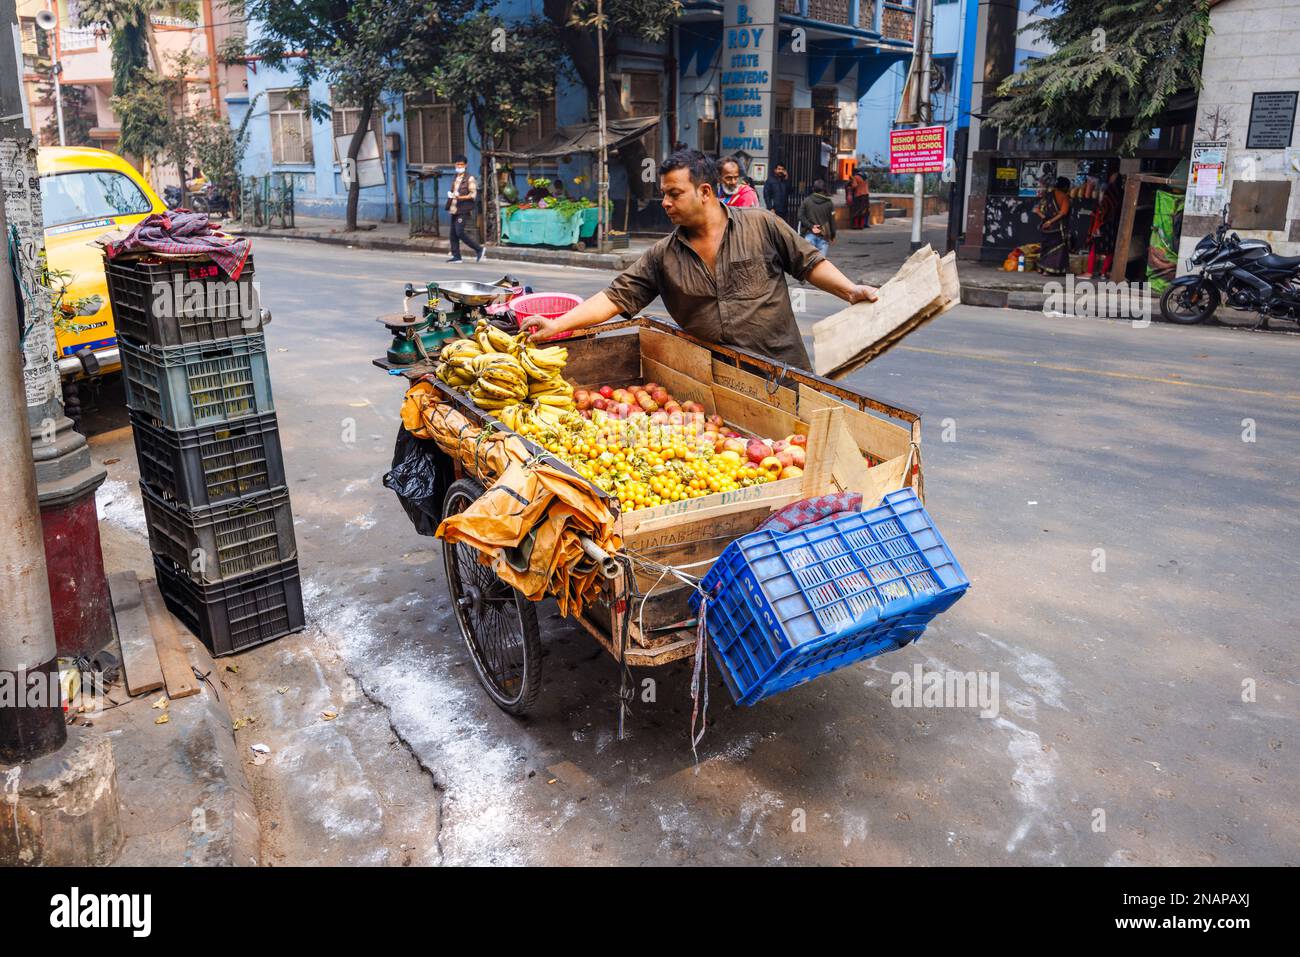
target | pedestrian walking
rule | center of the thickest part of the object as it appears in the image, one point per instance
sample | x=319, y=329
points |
x=460, y=203
x=817, y=218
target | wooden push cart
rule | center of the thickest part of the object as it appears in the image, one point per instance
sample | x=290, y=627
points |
x=855, y=443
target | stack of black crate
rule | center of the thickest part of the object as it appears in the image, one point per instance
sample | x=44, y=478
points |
x=212, y=478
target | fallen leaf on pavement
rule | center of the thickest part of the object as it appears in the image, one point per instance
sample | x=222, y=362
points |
x=283, y=689
x=160, y=703
x=162, y=719
x=329, y=715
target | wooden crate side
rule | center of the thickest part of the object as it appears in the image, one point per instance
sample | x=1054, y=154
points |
x=605, y=360
x=685, y=357
x=876, y=437
x=682, y=386
x=755, y=387
x=772, y=495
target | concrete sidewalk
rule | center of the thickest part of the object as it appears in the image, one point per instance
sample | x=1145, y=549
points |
x=396, y=236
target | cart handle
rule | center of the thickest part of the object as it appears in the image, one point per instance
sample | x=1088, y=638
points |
x=608, y=566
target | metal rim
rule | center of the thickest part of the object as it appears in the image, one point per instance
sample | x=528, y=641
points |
x=491, y=621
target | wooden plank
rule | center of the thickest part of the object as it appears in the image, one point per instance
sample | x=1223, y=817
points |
x=756, y=387
x=875, y=436
x=608, y=360
x=774, y=495
x=823, y=425
x=140, y=668
x=754, y=416
x=885, y=478
x=839, y=338
x=849, y=472
x=682, y=386
x=175, y=663
x=676, y=353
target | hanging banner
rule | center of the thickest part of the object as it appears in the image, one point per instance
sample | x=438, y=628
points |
x=919, y=150
x=749, y=38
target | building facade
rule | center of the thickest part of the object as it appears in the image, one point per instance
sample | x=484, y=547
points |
x=1246, y=119
x=87, y=70
x=830, y=57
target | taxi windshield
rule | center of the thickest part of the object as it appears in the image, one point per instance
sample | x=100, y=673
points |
x=95, y=194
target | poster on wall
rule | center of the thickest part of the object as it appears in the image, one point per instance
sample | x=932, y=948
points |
x=1032, y=174
x=1272, y=120
x=1207, y=177
x=1006, y=178
x=919, y=150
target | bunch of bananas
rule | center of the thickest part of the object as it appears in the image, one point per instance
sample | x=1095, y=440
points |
x=499, y=371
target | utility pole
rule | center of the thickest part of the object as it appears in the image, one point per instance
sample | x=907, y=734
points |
x=66, y=477
x=924, y=28
x=27, y=729
x=602, y=155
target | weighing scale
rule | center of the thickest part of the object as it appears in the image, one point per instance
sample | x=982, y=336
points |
x=416, y=338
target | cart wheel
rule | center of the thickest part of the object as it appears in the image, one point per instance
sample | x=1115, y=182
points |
x=499, y=625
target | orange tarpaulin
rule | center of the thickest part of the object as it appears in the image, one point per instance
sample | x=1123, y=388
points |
x=528, y=525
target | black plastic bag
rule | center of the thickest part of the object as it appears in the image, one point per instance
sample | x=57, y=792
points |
x=421, y=475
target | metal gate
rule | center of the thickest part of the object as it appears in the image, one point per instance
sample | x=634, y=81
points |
x=801, y=154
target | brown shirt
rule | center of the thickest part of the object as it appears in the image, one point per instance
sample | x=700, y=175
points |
x=746, y=303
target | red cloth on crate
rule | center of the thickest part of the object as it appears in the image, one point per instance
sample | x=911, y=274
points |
x=182, y=233
x=809, y=510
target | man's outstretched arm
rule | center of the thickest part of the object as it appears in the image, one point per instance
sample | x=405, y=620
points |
x=827, y=277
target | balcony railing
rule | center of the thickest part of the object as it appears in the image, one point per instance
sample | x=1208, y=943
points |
x=829, y=11
x=77, y=38
x=896, y=21
x=866, y=14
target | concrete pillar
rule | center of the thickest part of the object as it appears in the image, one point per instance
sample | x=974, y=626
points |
x=61, y=810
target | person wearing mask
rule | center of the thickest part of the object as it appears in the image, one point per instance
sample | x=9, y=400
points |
x=817, y=218
x=734, y=192
x=860, y=193
x=460, y=203
x=776, y=192
x=721, y=272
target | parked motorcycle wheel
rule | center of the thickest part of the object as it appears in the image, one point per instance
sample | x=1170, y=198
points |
x=1188, y=305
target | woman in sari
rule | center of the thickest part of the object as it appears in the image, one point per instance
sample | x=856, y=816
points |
x=1054, y=260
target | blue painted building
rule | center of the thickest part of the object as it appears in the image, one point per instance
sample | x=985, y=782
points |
x=417, y=136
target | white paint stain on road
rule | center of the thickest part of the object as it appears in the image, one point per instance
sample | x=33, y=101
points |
x=118, y=503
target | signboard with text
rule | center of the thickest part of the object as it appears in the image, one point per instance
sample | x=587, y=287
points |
x=919, y=150
x=749, y=38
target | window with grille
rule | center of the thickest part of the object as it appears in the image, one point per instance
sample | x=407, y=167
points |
x=345, y=118
x=290, y=126
x=537, y=129
x=644, y=100
x=435, y=131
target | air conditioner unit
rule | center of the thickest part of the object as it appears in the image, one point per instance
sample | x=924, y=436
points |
x=803, y=119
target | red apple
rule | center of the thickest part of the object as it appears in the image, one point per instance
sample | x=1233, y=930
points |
x=778, y=446
x=771, y=465
x=649, y=386
x=798, y=456
x=790, y=471
x=797, y=439
x=758, y=450
x=737, y=446
x=607, y=391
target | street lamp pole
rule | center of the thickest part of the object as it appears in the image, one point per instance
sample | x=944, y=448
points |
x=924, y=24
x=602, y=161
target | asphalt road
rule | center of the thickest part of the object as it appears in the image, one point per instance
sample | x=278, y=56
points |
x=1123, y=499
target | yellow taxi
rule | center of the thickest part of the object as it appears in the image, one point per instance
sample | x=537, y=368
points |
x=85, y=193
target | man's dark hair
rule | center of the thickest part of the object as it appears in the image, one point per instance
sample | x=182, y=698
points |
x=1062, y=184
x=460, y=158
x=819, y=186
x=701, y=168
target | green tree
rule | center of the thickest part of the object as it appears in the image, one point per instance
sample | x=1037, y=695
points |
x=648, y=20
x=1117, y=63
x=132, y=45
x=362, y=48
x=500, y=73
x=78, y=114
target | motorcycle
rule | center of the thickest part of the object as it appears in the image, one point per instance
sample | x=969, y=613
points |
x=1244, y=273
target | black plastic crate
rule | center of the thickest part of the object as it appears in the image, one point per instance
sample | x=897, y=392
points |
x=152, y=304
x=207, y=383
x=238, y=614
x=222, y=541
x=195, y=468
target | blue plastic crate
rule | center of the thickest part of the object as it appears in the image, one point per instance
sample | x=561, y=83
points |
x=786, y=607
